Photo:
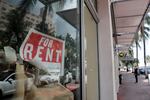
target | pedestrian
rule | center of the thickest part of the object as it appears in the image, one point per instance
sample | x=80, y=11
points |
x=120, y=76
x=68, y=78
x=136, y=74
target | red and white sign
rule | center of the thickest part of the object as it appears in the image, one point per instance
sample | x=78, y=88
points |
x=43, y=51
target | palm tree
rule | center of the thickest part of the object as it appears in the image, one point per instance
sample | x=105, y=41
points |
x=148, y=58
x=137, y=44
x=15, y=17
x=26, y=5
x=16, y=24
x=47, y=7
x=14, y=29
x=145, y=35
x=137, y=50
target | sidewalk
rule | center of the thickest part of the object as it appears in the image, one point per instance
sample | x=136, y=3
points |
x=129, y=90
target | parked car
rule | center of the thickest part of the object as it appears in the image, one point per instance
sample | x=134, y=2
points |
x=7, y=83
x=144, y=69
x=141, y=71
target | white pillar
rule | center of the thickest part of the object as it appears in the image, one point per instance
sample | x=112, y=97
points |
x=116, y=61
x=106, y=53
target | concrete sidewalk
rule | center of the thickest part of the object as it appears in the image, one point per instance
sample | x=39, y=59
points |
x=129, y=90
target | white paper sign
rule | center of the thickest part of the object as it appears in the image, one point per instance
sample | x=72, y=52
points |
x=43, y=51
x=10, y=54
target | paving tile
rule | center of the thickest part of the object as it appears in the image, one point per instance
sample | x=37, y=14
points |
x=129, y=90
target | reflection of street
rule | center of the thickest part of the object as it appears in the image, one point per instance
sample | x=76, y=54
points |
x=8, y=97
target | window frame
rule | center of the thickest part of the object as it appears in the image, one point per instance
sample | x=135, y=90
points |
x=92, y=10
x=94, y=14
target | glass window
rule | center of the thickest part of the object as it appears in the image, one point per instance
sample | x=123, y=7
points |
x=91, y=56
x=43, y=38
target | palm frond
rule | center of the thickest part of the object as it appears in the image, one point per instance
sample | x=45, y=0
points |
x=138, y=44
x=147, y=19
x=137, y=39
x=147, y=28
x=130, y=51
x=146, y=34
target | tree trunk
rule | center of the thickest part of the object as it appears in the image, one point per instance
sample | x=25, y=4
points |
x=144, y=50
x=137, y=51
x=44, y=18
x=144, y=47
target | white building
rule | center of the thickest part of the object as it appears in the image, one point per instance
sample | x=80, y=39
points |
x=30, y=18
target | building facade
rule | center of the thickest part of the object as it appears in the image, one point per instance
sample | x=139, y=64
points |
x=31, y=19
x=91, y=31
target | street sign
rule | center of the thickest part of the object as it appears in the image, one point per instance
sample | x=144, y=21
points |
x=43, y=51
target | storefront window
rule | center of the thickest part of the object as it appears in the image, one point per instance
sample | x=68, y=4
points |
x=40, y=50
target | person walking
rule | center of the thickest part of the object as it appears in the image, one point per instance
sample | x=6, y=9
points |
x=136, y=74
x=120, y=76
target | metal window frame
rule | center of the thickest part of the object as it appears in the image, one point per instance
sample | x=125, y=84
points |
x=94, y=14
x=92, y=10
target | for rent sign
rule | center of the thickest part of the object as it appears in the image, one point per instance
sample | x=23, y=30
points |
x=43, y=51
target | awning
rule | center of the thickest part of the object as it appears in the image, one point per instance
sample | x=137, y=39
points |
x=70, y=16
x=128, y=15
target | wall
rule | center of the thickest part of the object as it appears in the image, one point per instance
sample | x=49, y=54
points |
x=107, y=69
x=116, y=65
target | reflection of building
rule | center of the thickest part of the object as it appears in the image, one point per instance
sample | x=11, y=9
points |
x=48, y=22
x=31, y=19
x=4, y=9
x=3, y=65
x=2, y=56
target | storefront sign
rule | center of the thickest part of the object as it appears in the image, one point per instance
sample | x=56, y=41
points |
x=43, y=51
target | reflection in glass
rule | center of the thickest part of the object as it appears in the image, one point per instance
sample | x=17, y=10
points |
x=56, y=18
